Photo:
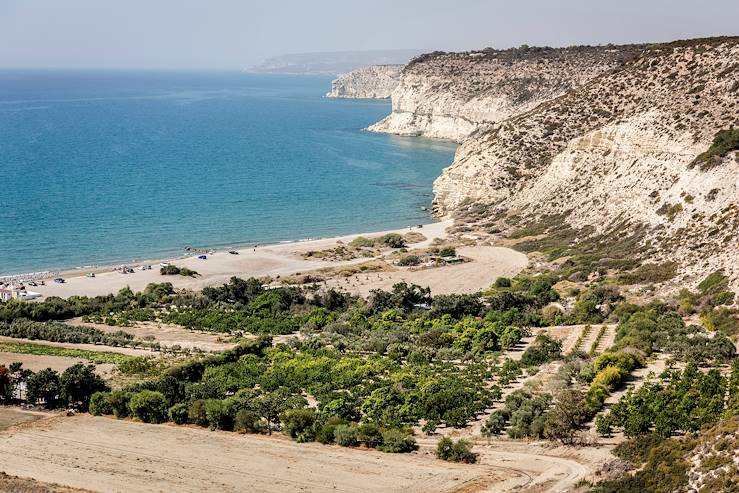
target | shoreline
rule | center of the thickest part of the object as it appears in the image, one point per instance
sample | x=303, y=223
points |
x=275, y=259
x=239, y=247
x=281, y=260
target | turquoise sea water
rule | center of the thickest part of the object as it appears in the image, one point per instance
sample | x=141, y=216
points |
x=100, y=167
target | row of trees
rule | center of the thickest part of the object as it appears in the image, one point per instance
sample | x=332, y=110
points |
x=678, y=402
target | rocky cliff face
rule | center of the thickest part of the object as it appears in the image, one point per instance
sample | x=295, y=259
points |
x=450, y=95
x=373, y=82
x=649, y=146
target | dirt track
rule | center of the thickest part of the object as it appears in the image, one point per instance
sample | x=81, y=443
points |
x=108, y=455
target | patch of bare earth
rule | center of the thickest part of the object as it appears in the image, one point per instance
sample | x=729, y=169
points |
x=36, y=362
x=13, y=484
x=166, y=334
x=104, y=454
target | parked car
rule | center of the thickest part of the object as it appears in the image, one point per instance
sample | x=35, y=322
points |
x=59, y=280
x=202, y=257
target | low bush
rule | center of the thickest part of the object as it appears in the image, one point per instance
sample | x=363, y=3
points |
x=345, y=435
x=459, y=451
x=397, y=442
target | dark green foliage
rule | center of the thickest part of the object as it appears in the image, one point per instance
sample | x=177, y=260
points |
x=502, y=282
x=595, y=304
x=636, y=450
x=567, y=416
x=543, y=350
x=457, y=305
x=149, y=406
x=527, y=414
x=119, y=400
x=325, y=432
x=403, y=296
x=397, y=441
x=299, y=423
x=196, y=413
x=100, y=404
x=44, y=387
x=58, y=332
x=369, y=434
x=448, y=252
x=496, y=423
x=78, y=383
x=393, y=240
x=178, y=413
x=409, y=260
x=723, y=143
x=173, y=270
x=247, y=421
x=679, y=402
x=459, y=451
x=220, y=414
x=345, y=435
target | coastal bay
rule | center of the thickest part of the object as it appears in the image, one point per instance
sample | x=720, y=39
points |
x=106, y=167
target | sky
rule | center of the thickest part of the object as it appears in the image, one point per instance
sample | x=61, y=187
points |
x=232, y=34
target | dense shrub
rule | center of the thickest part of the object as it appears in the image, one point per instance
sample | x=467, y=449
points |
x=178, y=413
x=397, y=442
x=299, y=423
x=543, y=350
x=149, y=406
x=369, y=434
x=459, y=451
x=345, y=435
x=100, y=404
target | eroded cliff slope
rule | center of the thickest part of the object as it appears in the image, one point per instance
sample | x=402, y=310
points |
x=647, y=151
x=450, y=95
x=373, y=82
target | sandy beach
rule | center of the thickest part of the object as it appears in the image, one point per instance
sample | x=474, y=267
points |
x=280, y=260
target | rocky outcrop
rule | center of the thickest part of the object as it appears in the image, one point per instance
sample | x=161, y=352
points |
x=619, y=153
x=373, y=82
x=450, y=95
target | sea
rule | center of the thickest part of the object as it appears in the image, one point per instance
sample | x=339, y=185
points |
x=101, y=167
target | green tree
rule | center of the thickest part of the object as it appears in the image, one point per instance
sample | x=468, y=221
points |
x=44, y=386
x=78, y=383
x=566, y=417
x=149, y=406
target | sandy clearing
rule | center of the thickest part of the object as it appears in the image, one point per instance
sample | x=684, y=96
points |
x=35, y=362
x=109, y=455
x=270, y=260
x=488, y=263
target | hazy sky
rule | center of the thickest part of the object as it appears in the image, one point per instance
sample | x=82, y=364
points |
x=234, y=34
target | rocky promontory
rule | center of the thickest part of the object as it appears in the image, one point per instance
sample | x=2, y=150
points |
x=373, y=82
x=450, y=95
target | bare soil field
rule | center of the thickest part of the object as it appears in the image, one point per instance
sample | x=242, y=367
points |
x=12, y=417
x=165, y=334
x=108, y=455
x=35, y=362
